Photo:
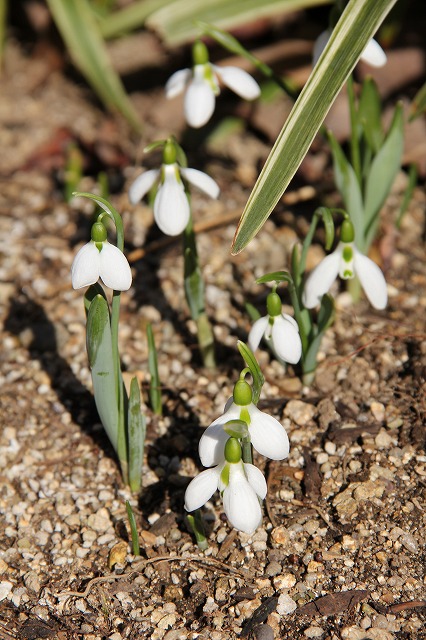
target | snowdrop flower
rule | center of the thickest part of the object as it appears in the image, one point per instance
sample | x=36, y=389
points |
x=241, y=484
x=171, y=206
x=373, y=53
x=280, y=329
x=100, y=259
x=347, y=262
x=202, y=86
x=267, y=435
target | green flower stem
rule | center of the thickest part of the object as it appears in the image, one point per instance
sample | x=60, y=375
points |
x=206, y=341
x=354, y=288
x=194, y=293
x=354, y=142
x=197, y=526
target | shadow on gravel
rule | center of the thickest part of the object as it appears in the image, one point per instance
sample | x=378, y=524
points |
x=29, y=322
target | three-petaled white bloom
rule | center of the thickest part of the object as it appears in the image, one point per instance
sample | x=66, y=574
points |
x=241, y=484
x=373, y=53
x=280, y=329
x=267, y=435
x=171, y=206
x=347, y=262
x=202, y=86
x=100, y=259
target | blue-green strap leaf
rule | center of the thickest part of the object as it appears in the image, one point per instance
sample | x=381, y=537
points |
x=99, y=350
x=136, y=433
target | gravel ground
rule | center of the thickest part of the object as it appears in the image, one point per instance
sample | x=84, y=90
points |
x=341, y=554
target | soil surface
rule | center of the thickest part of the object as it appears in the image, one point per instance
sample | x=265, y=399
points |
x=341, y=554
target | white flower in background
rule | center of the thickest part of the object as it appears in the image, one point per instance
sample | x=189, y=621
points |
x=171, y=206
x=267, y=435
x=347, y=262
x=278, y=328
x=100, y=259
x=241, y=484
x=202, y=86
x=373, y=53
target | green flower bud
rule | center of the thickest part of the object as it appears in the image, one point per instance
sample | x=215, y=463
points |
x=232, y=450
x=98, y=234
x=200, y=54
x=347, y=232
x=169, y=153
x=273, y=304
x=242, y=393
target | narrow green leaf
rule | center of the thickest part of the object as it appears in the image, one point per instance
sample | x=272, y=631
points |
x=325, y=319
x=326, y=313
x=133, y=529
x=370, y=114
x=348, y=186
x=357, y=25
x=176, y=22
x=129, y=18
x=384, y=168
x=137, y=430
x=419, y=103
x=99, y=350
x=256, y=373
x=252, y=312
x=154, y=383
x=194, y=287
x=79, y=29
x=412, y=181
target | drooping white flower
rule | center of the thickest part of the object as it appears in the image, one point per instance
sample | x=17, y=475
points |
x=241, y=484
x=347, y=262
x=100, y=259
x=373, y=53
x=171, y=206
x=267, y=435
x=280, y=329
x=202, y=86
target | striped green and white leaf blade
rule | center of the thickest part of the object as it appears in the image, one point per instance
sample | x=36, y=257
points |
x=357, y=25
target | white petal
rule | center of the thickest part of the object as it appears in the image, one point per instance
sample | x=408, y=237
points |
x=86, y=266
x=292, y=320
x=171, y=207
x=257, y=332
x=372, y=280
x=321, y=279
x=256, y=480
x=286, y=340
x=212, y=443
x=241, y=503
x=374, y=55
x=199, y=103
x=201, y=488
x=177, y=82
x=143, y=183
x=320, y=44
x=267, y=435
x=239, y=81
x=114, y=270
x=202, y=181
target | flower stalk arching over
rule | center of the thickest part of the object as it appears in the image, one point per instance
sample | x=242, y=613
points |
x=242, y=486
x=373, y=53
x=347, y=262
x=267, y=435
x=202, y=86
x=278, y=328
x=100, y=259
x=171, y=206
